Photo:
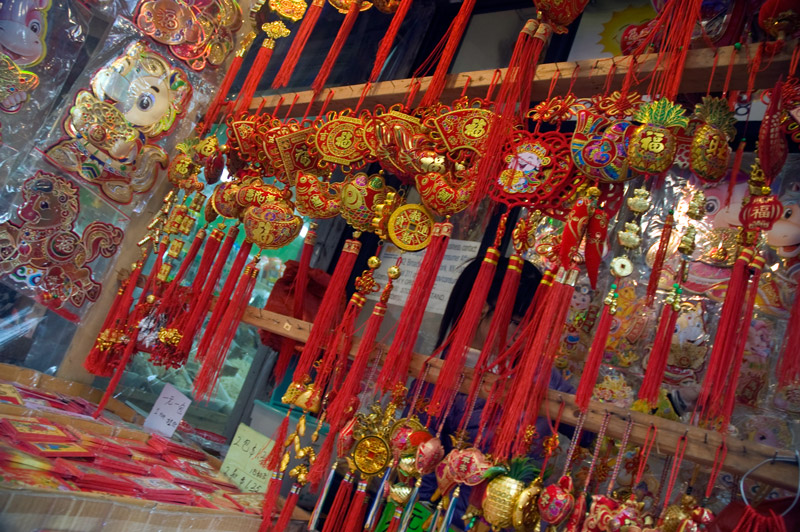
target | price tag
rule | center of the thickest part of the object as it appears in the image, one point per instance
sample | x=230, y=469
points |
x=242, y=464
x=168, y=411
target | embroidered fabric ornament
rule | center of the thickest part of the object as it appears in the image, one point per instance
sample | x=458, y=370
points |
x=109, y=141
x=600, y=147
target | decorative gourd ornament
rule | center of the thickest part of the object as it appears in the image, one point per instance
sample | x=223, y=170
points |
x=709, y=151
x=653, y=144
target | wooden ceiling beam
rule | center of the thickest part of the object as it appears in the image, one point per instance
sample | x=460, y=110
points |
x=590, y=79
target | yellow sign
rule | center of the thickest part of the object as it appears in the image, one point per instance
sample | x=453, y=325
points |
x=242, y=464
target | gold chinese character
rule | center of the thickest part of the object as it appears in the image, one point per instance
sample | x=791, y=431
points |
x=653, y=141
x=344, y=140
x=476, y=128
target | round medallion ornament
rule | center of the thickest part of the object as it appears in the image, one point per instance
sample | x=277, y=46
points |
x=371, y=455
x=411, y=227
x=341, y=141
x=621, y=266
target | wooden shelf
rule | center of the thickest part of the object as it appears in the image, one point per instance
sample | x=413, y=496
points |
x=590, y=79
x=701, y=446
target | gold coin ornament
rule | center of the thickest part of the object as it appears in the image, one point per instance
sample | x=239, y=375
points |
x=371, y=455
x=410, y=227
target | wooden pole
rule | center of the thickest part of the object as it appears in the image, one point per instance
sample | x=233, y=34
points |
x=590, y=80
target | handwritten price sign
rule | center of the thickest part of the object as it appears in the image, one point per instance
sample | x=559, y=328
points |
x=168, y=411
x=243, y=462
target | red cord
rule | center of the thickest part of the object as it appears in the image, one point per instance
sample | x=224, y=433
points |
x=719, y=461
x=644, y=453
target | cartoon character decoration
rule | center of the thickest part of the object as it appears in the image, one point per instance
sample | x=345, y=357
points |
x=112, y=128
x=44, y=239
x=689, y=345
x=785, y=233
x=200, y=33
x=22, y=44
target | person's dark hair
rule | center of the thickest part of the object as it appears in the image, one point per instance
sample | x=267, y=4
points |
x=529, y=281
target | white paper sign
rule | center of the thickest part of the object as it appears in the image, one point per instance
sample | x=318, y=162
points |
x=168, y=411
x=458, y=253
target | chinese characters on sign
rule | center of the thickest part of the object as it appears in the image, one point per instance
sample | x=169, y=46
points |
x=168, y=411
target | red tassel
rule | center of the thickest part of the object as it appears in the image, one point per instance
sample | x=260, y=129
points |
x=460, y=339
x=223, y=336
x=354, y=520
x=395, y=367
x=595, y=242
x=169, y=302
x=513, y=102
x=394, y=524
x=336, y=47
x=336, y=515
x=288, y=509
x=591, y=367
x=790, y=355
x=532, y=378
x=305, y=30
x=658, y=262
x=657, y=363
x=254, y=75
x=214, y=322
x=98, y=361
x=227, y=82
x=271, y=497
x=385, y=46
x=737, y=164
x=198, y=312
x=498, y=329
x=454, y=34
x=299, y=287
x=132, y=329
x=273, y=459
x=348, y=393
x=328, y=312
x=341, y=342
x=752, y=521
x=719, y=362
x=744, y=329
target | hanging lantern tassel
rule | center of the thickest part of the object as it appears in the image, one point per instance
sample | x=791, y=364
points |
x=215, y=322
x=336, y=47
x=321, y=463
x=271, y=499
x=328, y=312
x=659, y=354
x=337, y=513
x=658, y=262
x=299, y=42
x=224, y=332
x=513, y=101
x=454, y=34
x=385, y=46
x=288, y=508
x=174, y=326
x=498, y=329
x=460, y=339
x=737, y=164
x=395, y=367
x=592, y=366
x=227, y=82
x=790, y=355
x=756, y=267
x=171, y=303
x=451, y=510
x=380, y=496
x=719, y=362
x=299, y=287
x=408, y=510
x=346, y=396
x=272, y=31
x=199, y=310
x=99, y=360
x=358, y=506
x=133, y=328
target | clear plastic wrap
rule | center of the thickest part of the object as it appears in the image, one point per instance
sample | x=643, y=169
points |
x=39, y=44
x=123, y=116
